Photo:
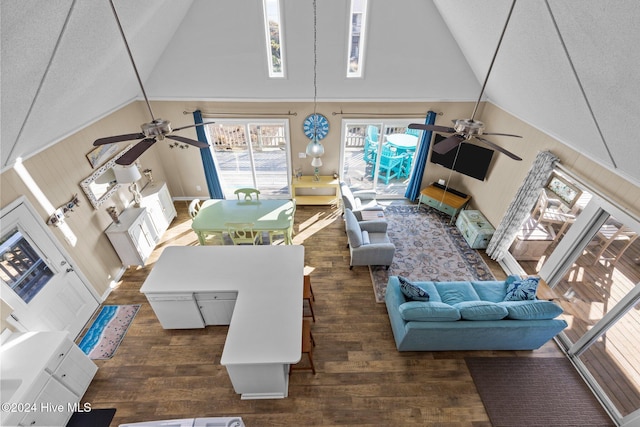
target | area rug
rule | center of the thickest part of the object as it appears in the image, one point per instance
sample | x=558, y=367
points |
x=427, y=248
x=519, y=391
x=107, y=331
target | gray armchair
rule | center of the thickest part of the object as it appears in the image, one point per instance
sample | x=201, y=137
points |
x=357, y=201
x=369, y=243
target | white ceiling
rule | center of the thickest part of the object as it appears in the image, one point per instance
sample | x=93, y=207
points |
x=567, y=67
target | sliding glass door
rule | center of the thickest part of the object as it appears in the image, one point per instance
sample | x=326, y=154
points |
x=378, y=155
x=252, y=153
x=588, y=251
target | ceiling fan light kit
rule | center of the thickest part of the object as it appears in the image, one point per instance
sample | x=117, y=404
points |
x=468, y=129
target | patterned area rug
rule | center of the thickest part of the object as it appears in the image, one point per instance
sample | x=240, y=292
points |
x=535, y=391
x=107, y=331
x=427, y=248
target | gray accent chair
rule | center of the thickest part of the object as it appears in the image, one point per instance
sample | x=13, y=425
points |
x=360, y=200
x=369, y=243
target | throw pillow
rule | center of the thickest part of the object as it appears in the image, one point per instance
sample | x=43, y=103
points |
x=521, y=289
x=411, y=291
x=365, y=237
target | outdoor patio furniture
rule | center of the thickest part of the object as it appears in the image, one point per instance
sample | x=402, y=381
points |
x=390, y=164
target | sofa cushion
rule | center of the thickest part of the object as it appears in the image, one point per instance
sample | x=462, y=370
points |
x=424, y=311
x=354, y=234
x=521, y=289
x=491, y=290
x=481, y=310
x=454, y=292
x=532, y=310
x=365, y=237
x=412, y=291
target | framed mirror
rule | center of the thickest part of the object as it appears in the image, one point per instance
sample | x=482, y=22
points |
x=101, y=185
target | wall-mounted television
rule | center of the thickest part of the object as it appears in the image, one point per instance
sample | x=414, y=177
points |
x=472, y=160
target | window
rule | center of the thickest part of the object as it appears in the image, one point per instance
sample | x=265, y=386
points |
x=21, y=267
x=357, y=25
x=273, y=32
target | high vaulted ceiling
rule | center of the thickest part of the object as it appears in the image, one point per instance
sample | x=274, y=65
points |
x=567, y=67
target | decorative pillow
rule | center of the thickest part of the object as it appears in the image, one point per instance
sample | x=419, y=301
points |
x=531, y=310
x=428, y=312
x=411, y=291
x=481, y=310
x=521, y=289
x=454, y=292
x=365, y=237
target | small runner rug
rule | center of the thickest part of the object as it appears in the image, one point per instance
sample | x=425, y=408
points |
x=535, y=391
x=427, y=249
x=107, y=331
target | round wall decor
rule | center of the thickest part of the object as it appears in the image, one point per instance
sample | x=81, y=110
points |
x=318, y=123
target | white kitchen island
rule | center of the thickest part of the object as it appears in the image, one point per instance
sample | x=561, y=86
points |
x=265, y=327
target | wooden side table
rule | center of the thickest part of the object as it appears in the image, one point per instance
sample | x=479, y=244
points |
x=372, y=215
x=307, y=182
x=443, y=201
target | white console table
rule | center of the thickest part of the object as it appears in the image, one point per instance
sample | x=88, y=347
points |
x=265, y=330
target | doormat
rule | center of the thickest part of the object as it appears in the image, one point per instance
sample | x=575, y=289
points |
x=107, y=331
x=92, y=418
x=427, y=249
x=535, y=391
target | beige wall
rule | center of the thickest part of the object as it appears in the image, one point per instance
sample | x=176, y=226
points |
x=58, y=170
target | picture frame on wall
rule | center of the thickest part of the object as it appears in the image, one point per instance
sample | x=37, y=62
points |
x=100, y=154
x=567, y=192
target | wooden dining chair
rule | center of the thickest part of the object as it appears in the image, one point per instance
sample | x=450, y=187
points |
x=308, y=342
x=249, y=194
x=194, y=207
x=242, y=233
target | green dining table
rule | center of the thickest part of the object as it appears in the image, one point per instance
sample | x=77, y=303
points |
x=272, y=216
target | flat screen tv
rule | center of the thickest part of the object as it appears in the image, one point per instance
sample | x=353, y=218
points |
x=472, y=160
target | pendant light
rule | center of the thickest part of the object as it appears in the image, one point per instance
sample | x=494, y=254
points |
x=315, y=148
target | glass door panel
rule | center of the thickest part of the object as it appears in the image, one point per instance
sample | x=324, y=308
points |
x=251, y=154
x=613, y=360
x=269, y=148
x=558, y=206
x=378, y=156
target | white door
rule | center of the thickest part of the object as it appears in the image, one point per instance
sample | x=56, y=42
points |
x=38, y=279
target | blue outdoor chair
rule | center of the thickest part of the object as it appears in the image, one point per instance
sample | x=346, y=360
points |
x=390, y=164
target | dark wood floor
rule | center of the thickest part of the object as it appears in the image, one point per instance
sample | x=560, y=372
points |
x=361, y=380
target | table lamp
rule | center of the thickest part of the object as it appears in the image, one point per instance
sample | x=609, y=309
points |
x=129, y=175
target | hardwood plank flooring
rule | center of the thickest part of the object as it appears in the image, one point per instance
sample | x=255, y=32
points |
x=361, y=380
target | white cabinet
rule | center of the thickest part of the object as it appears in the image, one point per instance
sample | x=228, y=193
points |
x=135, y=237
x=156, y=199
x=53, y=373
x=216, y=307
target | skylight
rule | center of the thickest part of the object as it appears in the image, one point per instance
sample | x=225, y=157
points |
x=273, y=33
x=357, y=25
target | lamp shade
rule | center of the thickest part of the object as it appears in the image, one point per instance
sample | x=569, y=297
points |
x=127, y=174
x=316, y=162
x=315, y=149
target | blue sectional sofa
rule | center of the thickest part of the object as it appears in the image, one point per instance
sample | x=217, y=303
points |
x=469, y=316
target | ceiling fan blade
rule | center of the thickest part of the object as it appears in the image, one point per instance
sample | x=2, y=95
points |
x=118, y=138
x=498, y=148
x=136, y=151
x=448, y=144
x=501, y=134
x=198, y=144
x=434, y=128
x=191, y=126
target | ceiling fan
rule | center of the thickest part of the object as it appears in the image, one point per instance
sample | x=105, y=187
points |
x=467, y=129
x=156, y=129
